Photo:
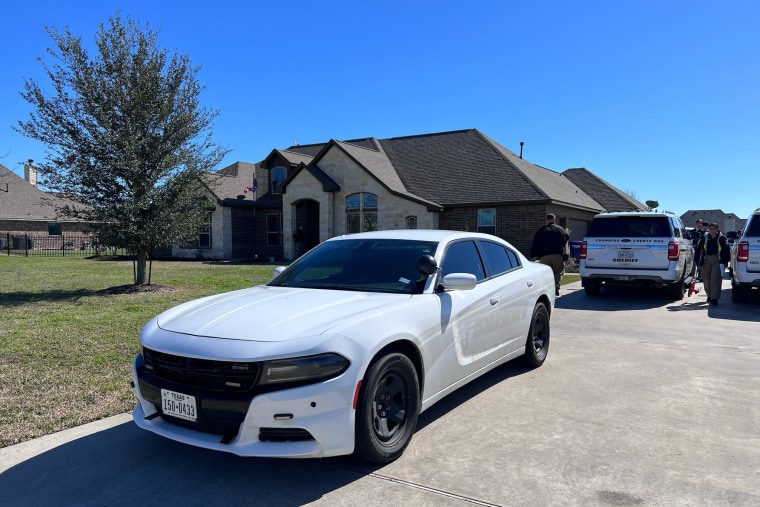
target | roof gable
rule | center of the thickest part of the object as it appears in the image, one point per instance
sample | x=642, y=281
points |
x=610, y=197
x=20, y=200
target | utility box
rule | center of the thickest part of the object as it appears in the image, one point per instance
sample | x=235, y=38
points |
x=22, y=243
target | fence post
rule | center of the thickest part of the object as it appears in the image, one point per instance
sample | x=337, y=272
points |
x=26, y=245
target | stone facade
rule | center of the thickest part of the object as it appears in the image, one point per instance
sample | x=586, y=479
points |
x=392, y=211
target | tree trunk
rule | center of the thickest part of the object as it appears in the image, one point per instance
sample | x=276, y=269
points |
x=142, y=257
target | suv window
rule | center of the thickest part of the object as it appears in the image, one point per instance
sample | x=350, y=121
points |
x=678, y=228
x=753, y=226
x=629, y=226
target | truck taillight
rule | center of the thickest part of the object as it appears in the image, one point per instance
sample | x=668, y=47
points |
x=673, y=250
x=742, y=253
x=584, y=250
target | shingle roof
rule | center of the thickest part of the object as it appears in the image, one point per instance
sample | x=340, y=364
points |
x=377, y=163
x=20, y=200
x=467, y=167
x=231, y=180
x=611, y=198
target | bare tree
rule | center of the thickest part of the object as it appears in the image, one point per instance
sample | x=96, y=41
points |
x=126, y=136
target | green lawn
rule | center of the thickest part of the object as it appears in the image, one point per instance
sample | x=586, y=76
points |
x=66, y=351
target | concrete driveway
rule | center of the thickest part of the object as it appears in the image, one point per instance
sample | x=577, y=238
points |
x=642, y=401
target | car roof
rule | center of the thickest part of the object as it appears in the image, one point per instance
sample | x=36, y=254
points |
x=636, y=214
x=419, y=234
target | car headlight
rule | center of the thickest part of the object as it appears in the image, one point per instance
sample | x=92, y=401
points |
x=303, y=369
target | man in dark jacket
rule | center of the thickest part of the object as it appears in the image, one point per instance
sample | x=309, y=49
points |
x=713, y=254
x=699, y=232
x=550, y=248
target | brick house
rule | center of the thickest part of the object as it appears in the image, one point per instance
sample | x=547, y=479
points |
x=25, y=209
x=461, y=180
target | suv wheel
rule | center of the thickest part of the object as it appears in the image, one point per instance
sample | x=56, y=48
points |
x=739, y=294
x=592, y=288
x=677, y=290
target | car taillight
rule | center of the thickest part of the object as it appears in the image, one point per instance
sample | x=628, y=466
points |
x=673, y=250
x=584, y=249
x=742, y=254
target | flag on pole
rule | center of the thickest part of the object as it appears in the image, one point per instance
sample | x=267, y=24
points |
x=252, y=188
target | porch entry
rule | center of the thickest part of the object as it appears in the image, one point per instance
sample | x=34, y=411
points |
x=307, y=216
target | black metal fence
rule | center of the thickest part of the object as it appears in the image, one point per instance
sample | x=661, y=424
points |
x=44, y=245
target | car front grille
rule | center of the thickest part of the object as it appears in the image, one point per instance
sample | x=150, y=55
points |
x=226, y=376
x=223, y=392
x=223, y=389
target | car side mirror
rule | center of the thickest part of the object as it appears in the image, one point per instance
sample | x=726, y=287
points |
x=427, y=265
x=459, y=281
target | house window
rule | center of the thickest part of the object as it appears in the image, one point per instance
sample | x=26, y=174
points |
x=274, y=229
x=487, y=221
x=411, y=222
x=203, y=236
x=361, y=213
x=278, y=176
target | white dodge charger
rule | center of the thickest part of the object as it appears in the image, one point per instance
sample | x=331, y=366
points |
x=342, y=350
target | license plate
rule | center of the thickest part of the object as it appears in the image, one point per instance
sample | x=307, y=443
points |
x=178, y=405
x=625, y=255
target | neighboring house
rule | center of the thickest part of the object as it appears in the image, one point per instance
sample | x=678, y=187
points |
x=726, y=221
x=230, y=233
x=25, y=209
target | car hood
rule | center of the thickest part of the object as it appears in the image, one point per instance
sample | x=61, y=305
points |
x=271, y=314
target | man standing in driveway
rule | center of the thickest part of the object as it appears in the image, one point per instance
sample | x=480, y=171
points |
x=550, y=248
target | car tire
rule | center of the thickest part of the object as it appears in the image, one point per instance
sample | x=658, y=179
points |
x=537, y=344
x=592, y=289
x=739, y=294
x=387, y=409
x=677, y=290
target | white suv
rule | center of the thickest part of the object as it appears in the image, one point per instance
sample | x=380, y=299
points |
x=745, y=260
x=644, y=248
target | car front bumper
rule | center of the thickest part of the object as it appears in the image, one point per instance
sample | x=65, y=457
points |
x=323, y=410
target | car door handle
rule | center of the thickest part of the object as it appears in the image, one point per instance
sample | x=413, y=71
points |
x=530, y=283
x=494, y=301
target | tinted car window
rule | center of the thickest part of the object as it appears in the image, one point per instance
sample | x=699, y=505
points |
x=513, y=258
x=753, y=226
x=463, y=257
x=374, y=265
x=496, y=258
x=677, y=227
x=629, y=227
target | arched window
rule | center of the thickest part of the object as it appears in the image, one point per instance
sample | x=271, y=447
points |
x=278, y=176
x=411, y=222
x=361, y=212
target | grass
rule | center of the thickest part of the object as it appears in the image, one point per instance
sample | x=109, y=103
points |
x=66, y=350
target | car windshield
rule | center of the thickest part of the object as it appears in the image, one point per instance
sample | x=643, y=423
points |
x=629, y=227
x=369, y=265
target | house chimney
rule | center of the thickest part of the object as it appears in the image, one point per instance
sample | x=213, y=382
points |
x=521, y=145
x=30, y=173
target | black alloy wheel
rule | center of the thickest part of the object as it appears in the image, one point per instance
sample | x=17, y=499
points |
x=537, y=344
x=388, y=407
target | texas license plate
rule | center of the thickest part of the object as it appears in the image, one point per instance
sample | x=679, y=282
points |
x=625, y=255
x=178, y=405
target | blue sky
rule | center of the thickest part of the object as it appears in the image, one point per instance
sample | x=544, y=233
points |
x=659, y=97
